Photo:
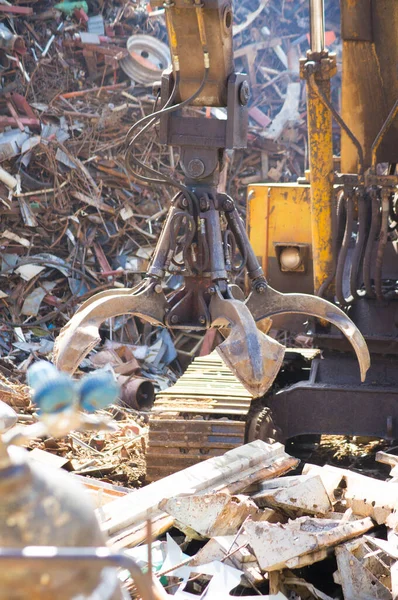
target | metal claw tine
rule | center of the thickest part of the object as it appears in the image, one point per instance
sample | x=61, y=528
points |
x=272, y=303
x=253, y=357
x=110, y=294
x=81, y=333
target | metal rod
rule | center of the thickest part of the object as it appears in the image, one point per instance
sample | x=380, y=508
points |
x=367, y=261
x=341, y=263
x=385, y=209
x=160, y=255
x=317, y=25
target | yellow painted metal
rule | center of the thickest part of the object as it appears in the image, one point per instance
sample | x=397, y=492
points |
x=277, y=213
x=321, y=169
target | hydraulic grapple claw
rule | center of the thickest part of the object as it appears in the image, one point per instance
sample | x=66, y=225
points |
x=81, y=333
x=253, y=357
x=270, y=302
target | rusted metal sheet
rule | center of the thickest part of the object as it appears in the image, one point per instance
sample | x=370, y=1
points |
x=370, y=83
x=209, y=515
x=304, y=493
x=363, y=570
x=356, y=20
x=299, y=542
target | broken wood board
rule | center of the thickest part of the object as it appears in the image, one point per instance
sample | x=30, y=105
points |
x=279, y=546
x=49, y=459
x=124, y=519
x=101, y=492
x=364, y=495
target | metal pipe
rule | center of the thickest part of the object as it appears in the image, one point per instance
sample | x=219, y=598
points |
x=367, y=262
x=343, y=301
x=237, y=227
x=317, y=25
x=217, y=262
x=357, y=257
x=383, y=235
x=138, y=393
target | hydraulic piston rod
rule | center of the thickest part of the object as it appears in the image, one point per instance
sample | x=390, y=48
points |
x=317, y=25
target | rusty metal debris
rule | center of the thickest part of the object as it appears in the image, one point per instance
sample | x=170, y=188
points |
x=268, y=549
x=252, y=524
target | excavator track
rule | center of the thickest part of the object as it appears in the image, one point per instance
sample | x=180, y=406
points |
x=202, y=415
x=207, y=412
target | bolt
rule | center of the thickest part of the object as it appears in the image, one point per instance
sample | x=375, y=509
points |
x=174, y=319
x=202, y=320
x=244, y=93
x=260, y=287
x=228, y=204
x=158, y=288
x=184, y=202
x=196, y=168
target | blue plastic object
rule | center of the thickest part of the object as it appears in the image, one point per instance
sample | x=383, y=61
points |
x=98, y=390
x=53, y=391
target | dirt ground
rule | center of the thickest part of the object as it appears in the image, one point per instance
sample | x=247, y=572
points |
x=353, y=453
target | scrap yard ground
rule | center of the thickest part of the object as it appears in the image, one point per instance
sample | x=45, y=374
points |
x=316, y=519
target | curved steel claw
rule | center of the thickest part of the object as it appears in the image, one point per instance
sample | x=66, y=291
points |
x=253, y=357
x=81, y=333
x=270, y=302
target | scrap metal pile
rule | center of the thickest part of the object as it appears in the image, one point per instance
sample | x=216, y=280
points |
x=252, y=522
x=239, y=528
x=75, y=77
